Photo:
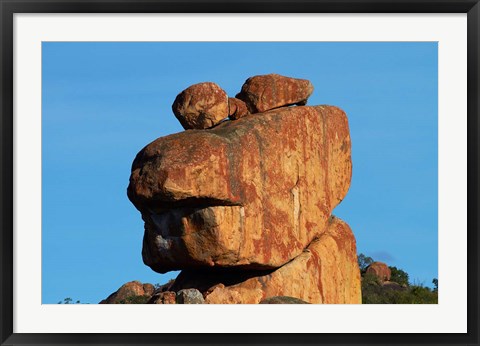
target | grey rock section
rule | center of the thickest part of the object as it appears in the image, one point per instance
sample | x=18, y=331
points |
x=190, y=296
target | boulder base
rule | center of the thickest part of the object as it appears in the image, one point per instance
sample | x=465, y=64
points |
x=325, y=273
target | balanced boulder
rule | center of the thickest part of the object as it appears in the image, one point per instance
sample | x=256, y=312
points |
x=263, y=93
x=201, y=106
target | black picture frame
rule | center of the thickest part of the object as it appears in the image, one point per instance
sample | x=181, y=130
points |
x=7, y=10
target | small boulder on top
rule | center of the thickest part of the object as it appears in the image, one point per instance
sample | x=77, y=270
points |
x=201, y=106
x=262, y=93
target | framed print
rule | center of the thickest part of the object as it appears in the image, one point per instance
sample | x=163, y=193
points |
x=267, y=172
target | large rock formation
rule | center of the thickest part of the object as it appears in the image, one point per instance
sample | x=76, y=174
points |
x=244, y=208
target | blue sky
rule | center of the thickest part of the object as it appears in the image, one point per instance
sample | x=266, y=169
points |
x=103, y=102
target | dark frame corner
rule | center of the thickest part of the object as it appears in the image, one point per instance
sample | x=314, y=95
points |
x=9, y=7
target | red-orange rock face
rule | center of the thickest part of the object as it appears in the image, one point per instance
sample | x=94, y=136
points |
x=380, y=270
x=266, y=92
x=236, y=108
x=201, y=106
x=325, y=273
x=250, y=193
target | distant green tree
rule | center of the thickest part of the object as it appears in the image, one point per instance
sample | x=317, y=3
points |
x=423, y=295
x=364, y=262
x=68, y=301
x=435, y=285
x=398, y=276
